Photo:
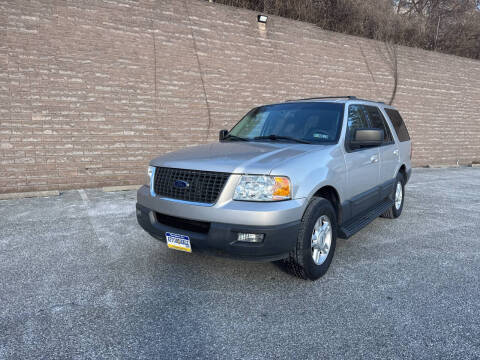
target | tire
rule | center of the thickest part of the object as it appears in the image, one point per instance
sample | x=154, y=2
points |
x=300, y=261
x=394, y=212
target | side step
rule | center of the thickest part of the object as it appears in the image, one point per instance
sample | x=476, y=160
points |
x=359, y=222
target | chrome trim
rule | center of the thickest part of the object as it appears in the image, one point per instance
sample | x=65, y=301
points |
x=185, y=202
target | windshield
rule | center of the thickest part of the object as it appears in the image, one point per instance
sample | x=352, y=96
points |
x=309, y=122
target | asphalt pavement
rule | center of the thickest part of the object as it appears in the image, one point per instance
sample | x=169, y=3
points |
x=80, y=279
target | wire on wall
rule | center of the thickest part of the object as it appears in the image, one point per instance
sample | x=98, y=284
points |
x=209, y=125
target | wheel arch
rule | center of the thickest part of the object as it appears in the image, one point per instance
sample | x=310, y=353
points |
x=403, y=170
x=331, y=194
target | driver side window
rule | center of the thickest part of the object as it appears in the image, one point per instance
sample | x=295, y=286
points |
x=356, y=120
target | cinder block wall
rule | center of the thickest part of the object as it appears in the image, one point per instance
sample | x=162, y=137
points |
x=91, y=90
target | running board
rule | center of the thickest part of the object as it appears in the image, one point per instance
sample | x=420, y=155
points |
x=358, y=223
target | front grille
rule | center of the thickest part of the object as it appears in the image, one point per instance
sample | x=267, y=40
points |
x=203, y=186
x=183, y=224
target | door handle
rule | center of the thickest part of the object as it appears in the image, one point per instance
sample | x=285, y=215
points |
x=374, y=158
x=395, y=152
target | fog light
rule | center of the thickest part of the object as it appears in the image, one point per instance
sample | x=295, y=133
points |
x=253, y=238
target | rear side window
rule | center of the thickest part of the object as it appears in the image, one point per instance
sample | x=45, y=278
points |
x=398, y=124
x=377, y=121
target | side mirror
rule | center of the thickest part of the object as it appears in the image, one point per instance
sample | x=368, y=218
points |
x=366, y=138
x=222, y=134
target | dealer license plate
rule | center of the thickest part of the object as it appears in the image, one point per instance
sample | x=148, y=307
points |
x=178, y=242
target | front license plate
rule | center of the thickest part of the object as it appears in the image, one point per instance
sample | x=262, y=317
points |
x=178, y=242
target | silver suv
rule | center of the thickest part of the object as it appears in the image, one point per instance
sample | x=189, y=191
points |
x=283, y=183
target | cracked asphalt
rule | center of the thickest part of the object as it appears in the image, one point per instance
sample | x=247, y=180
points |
x=80, y=279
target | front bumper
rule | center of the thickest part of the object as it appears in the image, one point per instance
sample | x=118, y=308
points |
x=221, y=238
x=226, y=210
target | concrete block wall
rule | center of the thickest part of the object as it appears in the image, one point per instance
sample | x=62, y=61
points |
x=91, y=91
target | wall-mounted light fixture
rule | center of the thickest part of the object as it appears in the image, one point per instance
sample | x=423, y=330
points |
x=262, y=18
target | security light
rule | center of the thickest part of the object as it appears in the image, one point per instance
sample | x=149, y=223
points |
x=262, y=18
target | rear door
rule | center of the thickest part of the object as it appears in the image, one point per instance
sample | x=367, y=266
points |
x=389, y=151
x=403, y=136
x=362, y=166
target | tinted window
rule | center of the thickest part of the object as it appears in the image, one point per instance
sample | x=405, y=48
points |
x=310, y=121
x=377, y=121
x=356, y=120
x=398, y=124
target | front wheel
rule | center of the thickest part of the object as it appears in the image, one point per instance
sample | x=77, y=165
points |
x=398, y=198
x=316, y=241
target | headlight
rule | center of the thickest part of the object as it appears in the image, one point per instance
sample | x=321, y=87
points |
x=150, y=171
x=151, y=179
x=263, y=188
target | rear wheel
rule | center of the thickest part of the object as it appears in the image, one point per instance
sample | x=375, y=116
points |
x=398, y=198
x=316, y=241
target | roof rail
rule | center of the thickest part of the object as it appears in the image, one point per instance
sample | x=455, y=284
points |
x=336, y=97
x=327, y=97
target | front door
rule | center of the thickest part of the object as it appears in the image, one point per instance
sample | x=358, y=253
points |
x=362, y=165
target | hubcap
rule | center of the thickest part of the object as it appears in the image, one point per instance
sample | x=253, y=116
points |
x=398, y=196
x=321, y=239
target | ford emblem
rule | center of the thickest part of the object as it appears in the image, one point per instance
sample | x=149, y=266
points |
x=180, y=184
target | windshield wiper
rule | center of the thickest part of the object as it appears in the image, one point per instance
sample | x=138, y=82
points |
x=278, y=137
x=234, y=137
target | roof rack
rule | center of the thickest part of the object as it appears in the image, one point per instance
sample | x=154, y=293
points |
x=327, y=97
x=337, y=97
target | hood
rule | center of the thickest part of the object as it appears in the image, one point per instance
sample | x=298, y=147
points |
x=234, y=157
